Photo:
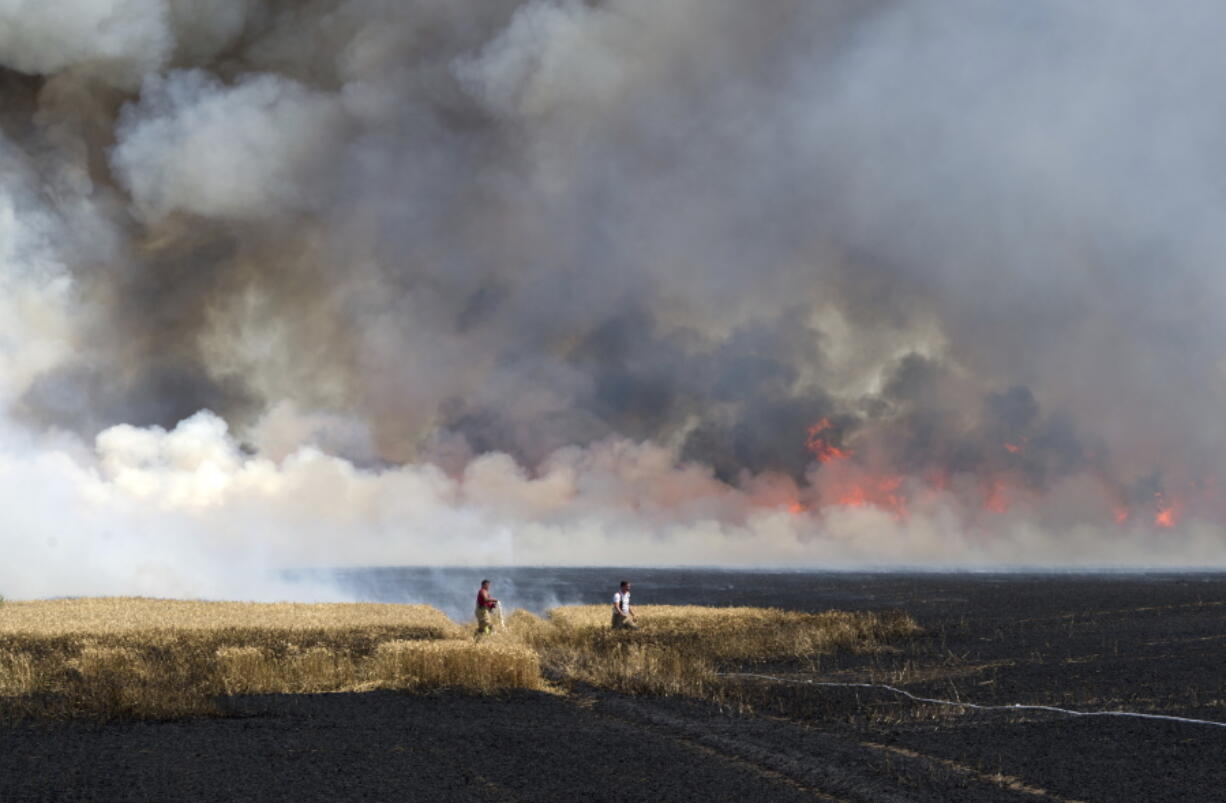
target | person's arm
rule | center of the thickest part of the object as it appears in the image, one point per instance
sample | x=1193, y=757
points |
x=617, y=607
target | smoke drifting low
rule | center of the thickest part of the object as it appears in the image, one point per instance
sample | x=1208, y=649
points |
x=348, y=282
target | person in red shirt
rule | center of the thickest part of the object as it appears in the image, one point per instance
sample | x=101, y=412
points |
x=485, y=606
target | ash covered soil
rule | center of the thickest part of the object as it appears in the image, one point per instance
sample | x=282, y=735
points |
x=1153, y=644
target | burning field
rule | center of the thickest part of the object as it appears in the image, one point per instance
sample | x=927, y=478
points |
x=295, y=288
x=548, y=282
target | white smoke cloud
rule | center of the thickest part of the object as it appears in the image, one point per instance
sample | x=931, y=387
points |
x=35, y=286
x=553, y=57
x=188, y=512
x=118, y=40
x=285, y=428
x=567, y=282
x=249, y=150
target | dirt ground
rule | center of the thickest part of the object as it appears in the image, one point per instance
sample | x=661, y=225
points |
x=1144, y=644
x=1148, y=644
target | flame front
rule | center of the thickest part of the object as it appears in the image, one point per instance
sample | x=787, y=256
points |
x=819, y=444
x=860, y=478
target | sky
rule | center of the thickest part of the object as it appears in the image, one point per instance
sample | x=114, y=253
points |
x=615, y=282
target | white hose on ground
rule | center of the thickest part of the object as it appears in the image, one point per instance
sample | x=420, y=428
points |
x=978, y=706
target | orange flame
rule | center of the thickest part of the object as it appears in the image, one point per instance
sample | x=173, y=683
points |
x=882, y=492
x=994, y=500
x=1018, y=447
x=1168, y=512
x=850, y=484
x=821, y=448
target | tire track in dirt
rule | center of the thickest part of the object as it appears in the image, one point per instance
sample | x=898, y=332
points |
x=1007, y=782
x=589, y=704
x=827, y=767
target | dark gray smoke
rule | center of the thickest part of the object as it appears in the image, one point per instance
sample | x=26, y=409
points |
x=979, y=243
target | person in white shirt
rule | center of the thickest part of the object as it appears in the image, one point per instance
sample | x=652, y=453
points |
x=623, y=614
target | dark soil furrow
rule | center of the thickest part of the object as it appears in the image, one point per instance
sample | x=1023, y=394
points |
x=683, y=733
x=831, y=762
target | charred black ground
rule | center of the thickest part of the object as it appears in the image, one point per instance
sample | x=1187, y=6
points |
x=1142, y=643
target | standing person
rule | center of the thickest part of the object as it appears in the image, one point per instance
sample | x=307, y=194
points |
x=485, y=604
x=623, y=614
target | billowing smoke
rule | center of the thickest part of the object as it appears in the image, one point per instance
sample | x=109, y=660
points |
x=350, y=282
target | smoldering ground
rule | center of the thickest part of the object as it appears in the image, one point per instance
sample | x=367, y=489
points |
x=350, y=282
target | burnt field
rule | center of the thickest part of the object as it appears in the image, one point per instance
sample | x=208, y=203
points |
x=1151, y=644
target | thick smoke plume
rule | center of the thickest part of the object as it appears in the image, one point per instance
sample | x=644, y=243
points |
x=350, y=282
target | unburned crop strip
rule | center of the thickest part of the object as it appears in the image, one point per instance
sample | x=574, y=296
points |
x=161, y=658
x=111, y=615
x=678, y=650
x=166, y=658
x=170, y=674
x=443, y=664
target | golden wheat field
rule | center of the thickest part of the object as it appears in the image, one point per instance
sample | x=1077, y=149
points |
x=135, y=657
x=681, y=649
x=745, y=634
x=104, y=615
